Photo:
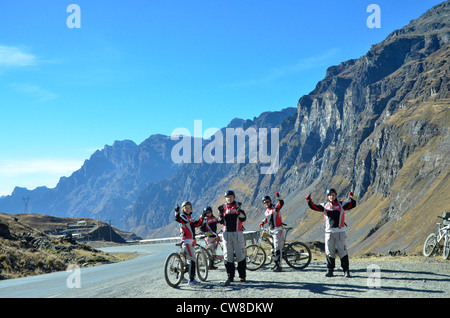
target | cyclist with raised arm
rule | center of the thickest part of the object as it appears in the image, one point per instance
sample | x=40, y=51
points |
x=209, y=229
x=334, y=214
x=273, y=217
x=187, y=228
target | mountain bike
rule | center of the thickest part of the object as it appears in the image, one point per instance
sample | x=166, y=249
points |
x=296, y=254
x=216, y=257
x=442, y=233
x=177, y=264
x=255, y=255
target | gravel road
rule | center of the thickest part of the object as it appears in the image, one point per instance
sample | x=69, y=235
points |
x=379, y=277
x=143, y=277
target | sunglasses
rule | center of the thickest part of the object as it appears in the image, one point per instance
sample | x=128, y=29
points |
x=265, y=202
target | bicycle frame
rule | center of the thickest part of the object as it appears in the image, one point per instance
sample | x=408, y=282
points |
x=266, y=236
x=296, y=254
x=213, y=246
x=434, y=239
x=176, y=266
x=442, y=230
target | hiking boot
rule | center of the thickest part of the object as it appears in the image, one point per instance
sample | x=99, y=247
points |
x=329, y=273
x=347, y=274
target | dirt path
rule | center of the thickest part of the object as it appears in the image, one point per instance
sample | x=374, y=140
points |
x=379, y=277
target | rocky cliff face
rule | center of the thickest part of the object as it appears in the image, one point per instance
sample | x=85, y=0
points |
x=107, y=184
x=377, y=125
x=204, y=183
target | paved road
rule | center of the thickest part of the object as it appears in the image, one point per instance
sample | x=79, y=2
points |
x=124, y=279
x=143, y=277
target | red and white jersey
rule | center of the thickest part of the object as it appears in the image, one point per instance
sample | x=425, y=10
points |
x=333, y=213
x=273, y=216
x=231, y=216
x=187, y=225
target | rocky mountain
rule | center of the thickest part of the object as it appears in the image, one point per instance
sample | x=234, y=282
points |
x=203, y=183
x=107, y=184
x=377, y=125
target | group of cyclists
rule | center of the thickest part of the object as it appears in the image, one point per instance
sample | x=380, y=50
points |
x=232, y=216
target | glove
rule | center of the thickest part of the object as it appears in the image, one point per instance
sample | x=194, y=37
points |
x=308, y=197
x=261, y=224
x=277, y=194
x=177, y=210
x=350, y=194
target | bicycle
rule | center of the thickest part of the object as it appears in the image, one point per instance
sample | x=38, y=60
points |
x=213, y=257
x=177, y=264
x=434, y=239
x=255, y=255
x=296, y=254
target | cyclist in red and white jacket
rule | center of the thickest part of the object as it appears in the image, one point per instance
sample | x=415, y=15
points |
x=273, y=217
x=231, y=216
x=334, y=214
x=187, y=228
x=209, y=229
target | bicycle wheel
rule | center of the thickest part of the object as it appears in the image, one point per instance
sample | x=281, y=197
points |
x=430, y=244
x=255, y=257
x=202, y=264
x=173, y=270
x=297, y=255
x=446, y=247
x=269, y=259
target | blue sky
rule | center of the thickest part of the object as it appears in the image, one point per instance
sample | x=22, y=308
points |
x=137, y=68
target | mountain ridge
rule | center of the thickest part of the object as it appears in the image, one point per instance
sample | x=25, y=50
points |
x=373, y=125
x=108, y=183
x=377, y=125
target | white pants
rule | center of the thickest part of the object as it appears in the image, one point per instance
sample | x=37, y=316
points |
x=234, y=243
x=212, y=243
x=189, y=248
x=335, y=241
x=278, y=239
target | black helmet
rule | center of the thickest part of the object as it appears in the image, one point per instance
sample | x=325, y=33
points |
x=266, y=197
x=229, y=192
x=206, y=210
x=330, y=191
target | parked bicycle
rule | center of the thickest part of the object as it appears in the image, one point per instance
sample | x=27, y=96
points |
x=255, y=255
x=177, y=264
x=296, y=254
x=434, y=239
x=208, y=247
